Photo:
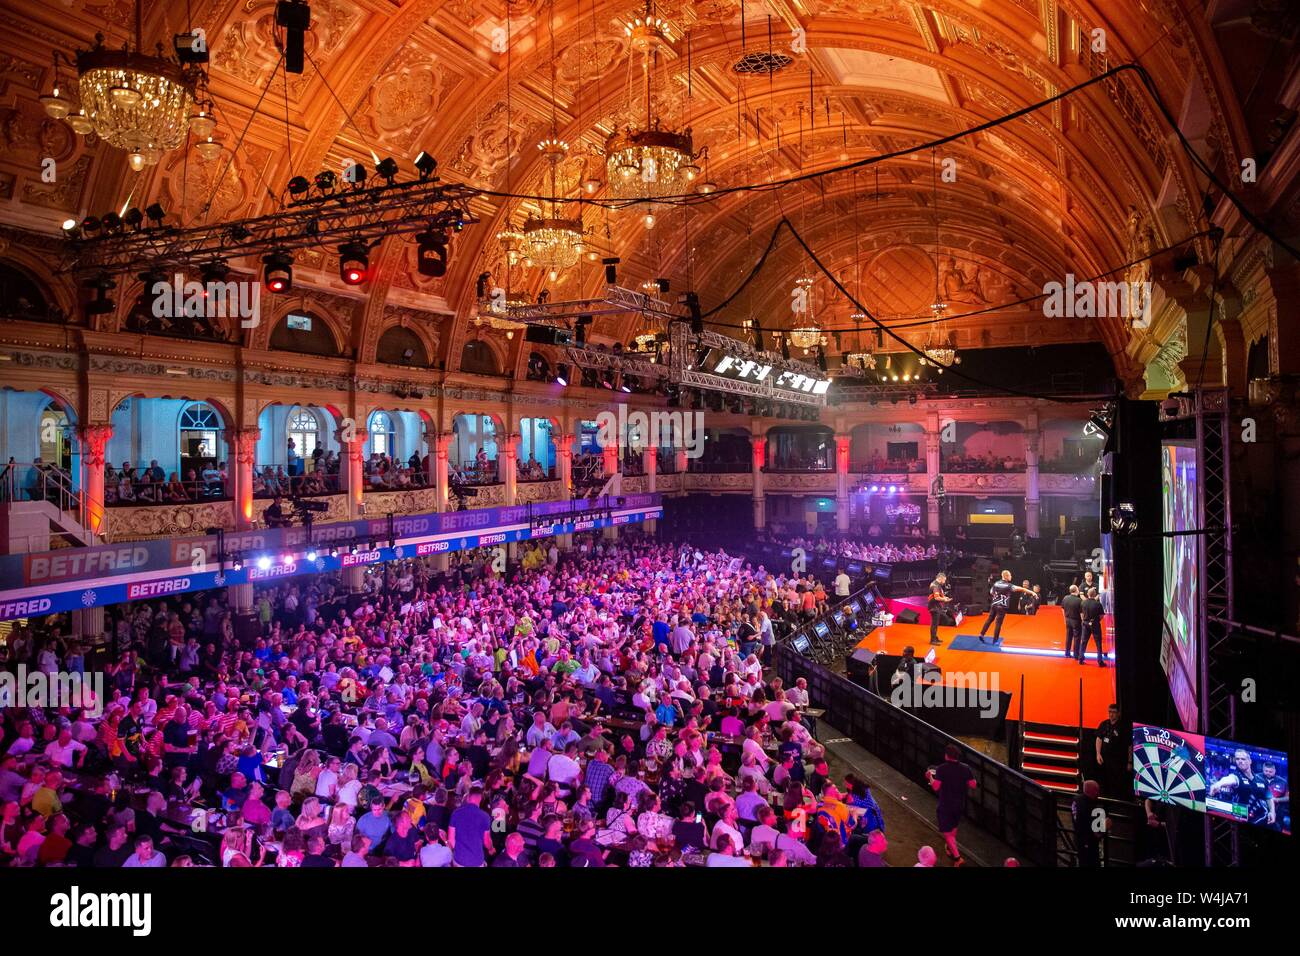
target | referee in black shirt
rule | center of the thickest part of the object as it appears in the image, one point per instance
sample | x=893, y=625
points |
x=1072, y=605
x=1092, y=628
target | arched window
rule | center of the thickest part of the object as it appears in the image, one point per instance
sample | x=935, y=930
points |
x=200, y=429
x=477, y=358
x=304, y=432
x=400, y=346
x=308, y=334
x=383, y=436
x=21, y=297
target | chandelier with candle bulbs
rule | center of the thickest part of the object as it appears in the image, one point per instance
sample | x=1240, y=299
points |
x=649, y=161
x=139, y=102
x=809, y=335
x=552, y=240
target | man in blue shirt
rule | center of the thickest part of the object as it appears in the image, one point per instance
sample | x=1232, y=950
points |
x=469, y=831
x=375, y=824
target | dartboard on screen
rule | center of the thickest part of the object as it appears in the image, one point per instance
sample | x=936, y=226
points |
x=1169, y=767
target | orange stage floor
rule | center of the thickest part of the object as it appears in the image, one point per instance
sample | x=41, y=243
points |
x=1052, y=683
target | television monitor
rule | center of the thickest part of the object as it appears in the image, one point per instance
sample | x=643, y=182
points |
x=1209, y=775
x=838, y=618
x=882, y=572
x=854, y=568
x=823, y=629
x=855, y=607
x=1181, y=513
x=801, y=643
x=830, y=562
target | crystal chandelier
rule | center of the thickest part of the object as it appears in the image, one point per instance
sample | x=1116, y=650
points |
x=551, y=240
x=807, y=337
x=649, y=162
x=862, y=360
x=139, y=102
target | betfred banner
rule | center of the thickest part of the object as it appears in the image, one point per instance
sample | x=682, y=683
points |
x=72, y=579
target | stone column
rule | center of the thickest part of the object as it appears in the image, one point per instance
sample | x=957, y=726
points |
x=244, y=447
x=650, y=456
x=932, y=434
x=508, y=465
x=842, y=445
x=1033, y=444
x=94, y=441
x=441, y=485
x=564, y=464
x=759, y=445
x=610, y=459
x=352, y=481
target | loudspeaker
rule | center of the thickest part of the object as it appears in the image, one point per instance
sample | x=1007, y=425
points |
x=858, y=664
x=907, y=617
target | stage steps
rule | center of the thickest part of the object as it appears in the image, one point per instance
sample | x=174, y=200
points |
x=1050, y=756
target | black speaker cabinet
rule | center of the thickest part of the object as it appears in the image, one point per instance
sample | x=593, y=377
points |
x=907, y=617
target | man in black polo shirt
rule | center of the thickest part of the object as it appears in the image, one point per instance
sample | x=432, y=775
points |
x=1000, y=595
x=1092, y=612
x=1072, y=605
x=1113, y=748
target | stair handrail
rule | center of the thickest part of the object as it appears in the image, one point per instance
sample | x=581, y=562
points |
x=38, y=481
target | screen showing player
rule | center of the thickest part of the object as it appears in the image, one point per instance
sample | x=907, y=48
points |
x=1209, y=775
x=1181, y=513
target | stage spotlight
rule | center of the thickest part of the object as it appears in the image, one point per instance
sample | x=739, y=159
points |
x=354, y=262
x=580, y=330
x=431, y=253
x=90, y=225
x=71, y=229
x=334, y=552
x=354, y=174
x=277, y=271
x=562, y=375
x=298, y=185
x=326, y=180
x=692, y=303
x=237, y=564
x=214, y=271
x=133, y=218
x=311, y=555
x=785, y=347
x=112, y=222
x=386, y=169
x=611, y=270
x=263, y=563
x=155, y=213
x=426, y=165
x=481, y=286
x=239, y=233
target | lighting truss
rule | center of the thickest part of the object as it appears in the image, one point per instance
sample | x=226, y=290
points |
x=616, y=301
x=362, y=215
x=686, y=345
x=585, y=356
x=851, y=392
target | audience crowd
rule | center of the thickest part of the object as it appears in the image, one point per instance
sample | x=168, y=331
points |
x=606, y=706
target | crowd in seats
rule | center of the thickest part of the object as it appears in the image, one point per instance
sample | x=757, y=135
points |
x=875, y=465
x=602, y=707
x=878, y=551
x=130, y=486
x=981, y=463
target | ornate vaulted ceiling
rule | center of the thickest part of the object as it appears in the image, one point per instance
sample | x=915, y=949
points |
x=1074, y=187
